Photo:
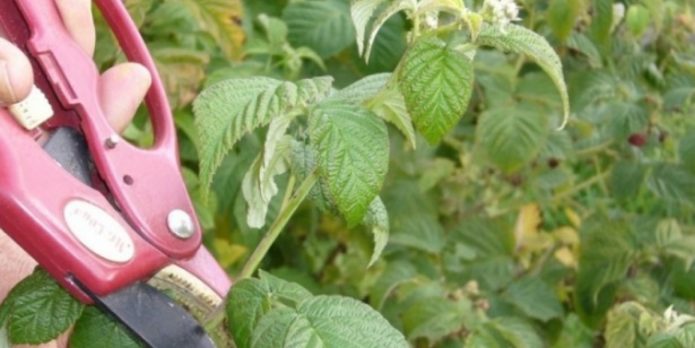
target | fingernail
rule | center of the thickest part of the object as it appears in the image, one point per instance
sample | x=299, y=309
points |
x=7, y=94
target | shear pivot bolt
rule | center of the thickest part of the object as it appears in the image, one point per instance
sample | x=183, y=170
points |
x=180, y=224
x=112, y=141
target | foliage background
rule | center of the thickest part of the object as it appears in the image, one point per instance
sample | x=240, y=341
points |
x=509, y=233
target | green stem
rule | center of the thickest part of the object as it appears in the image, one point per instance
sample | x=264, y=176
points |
x=584, y=185
x=290, y=204
x=289, y=207
x=594, y=149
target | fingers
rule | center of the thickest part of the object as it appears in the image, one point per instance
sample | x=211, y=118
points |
x=16, y=77
x=16, y=264
x=121, y=90
x=77, y=16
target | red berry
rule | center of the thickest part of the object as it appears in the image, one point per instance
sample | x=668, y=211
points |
x=637, y=139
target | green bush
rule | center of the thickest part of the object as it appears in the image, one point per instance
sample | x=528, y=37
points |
x=440, y=172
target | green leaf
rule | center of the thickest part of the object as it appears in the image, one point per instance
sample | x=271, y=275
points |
x=486, y=336
x=511, y=137
x=534, y=298
x=664, y=340
x=627, y=179
x=377, y=219
x=623, y=325
x=251, y=299
x=602, y=22
x=686, y=151
x=40, y=310
x=389, y=46
x=363, y=90
x=217, y=17
x=138, y=10
x=326, y=321
x=454, y=7
x=95, y=329
x=386, y=102
x=276, y=31
x=579, y=42
x=258, y=186
x=574, y=334
x=686, y=335
x=487, y=246
x=287, y=292
x=637, y=19
x=323, y=25
x=414, y=220
x=434, y=318
x=4, y=340
x=626, y=118
x=517, y=39
x=380, y=19
x=304, y=162
x=518, y=332
x=680, y=94
x=361, y=12
x=395, y=274
x=231, y=109
x=437, y=83
x=353, y=150
x=390, y=105
x=562, y=14
x=504, y=333
x=607, y=252
x=671, y=241
x=672, y=183
x=221, y=120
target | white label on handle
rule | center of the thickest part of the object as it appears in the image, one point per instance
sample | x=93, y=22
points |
x=98, y=231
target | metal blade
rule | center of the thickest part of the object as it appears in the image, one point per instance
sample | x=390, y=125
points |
x=154, y=318
x=68, y=147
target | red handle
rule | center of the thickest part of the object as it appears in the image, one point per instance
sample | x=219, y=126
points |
x=134, y=47
x=147, y=184
x=34, y=193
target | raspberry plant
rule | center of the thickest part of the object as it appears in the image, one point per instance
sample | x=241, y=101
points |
x=409, y=174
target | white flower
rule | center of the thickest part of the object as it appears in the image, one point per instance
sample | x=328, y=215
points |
x=674, y=320
x=432, y=19
x=501, y=12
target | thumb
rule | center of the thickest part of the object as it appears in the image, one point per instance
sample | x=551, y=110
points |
x=16, y=75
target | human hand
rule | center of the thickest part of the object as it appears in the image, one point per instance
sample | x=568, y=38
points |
x=121, y=90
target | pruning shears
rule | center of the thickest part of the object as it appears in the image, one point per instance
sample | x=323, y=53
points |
x=111, y=222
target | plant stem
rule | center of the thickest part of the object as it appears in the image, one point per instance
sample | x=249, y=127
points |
x=598, y=178
x=290, y=205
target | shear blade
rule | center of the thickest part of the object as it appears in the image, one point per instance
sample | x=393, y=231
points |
x=154, y=317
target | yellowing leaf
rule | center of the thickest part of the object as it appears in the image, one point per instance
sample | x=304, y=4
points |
x=222, y=19
x=573, y=217
x=182, y=72
x=567, y=236
x=566, y=257
x=227, y=253
x=527, y=223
